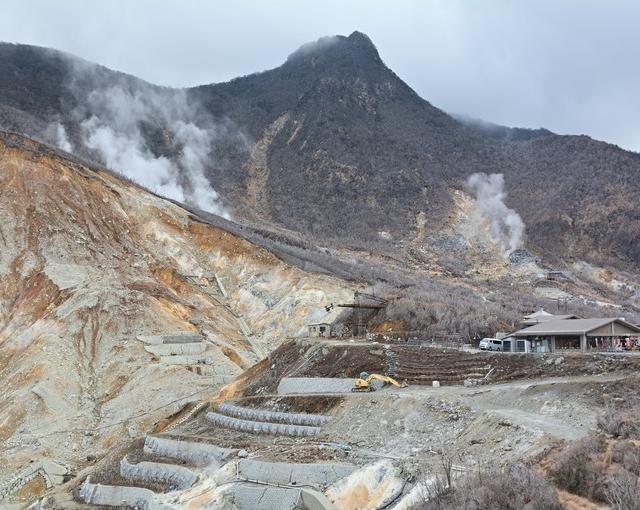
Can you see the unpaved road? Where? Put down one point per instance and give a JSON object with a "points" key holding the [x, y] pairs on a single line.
{"points": [[538, 405]]}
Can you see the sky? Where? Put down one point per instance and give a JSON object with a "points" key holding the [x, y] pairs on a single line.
{"points": [[572, 66]]}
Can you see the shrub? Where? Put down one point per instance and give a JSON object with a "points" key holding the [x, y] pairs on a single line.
{"points": [[578, 469], [623, 492], [518, 488], [624, 424], [627, 454]]}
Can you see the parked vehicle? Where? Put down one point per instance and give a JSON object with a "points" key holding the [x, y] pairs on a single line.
{"points": [[491, 344]]}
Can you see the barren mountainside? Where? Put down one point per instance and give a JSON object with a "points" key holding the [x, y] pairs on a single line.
{"points": [[91, 268], [334, 145]]}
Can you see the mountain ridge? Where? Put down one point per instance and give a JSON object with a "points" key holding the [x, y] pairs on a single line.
{"points": [[312, 145]]}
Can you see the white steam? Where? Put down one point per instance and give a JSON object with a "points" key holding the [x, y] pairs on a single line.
{"points": [[505, 225], [56, 134], [114, 131], [62, 141]]}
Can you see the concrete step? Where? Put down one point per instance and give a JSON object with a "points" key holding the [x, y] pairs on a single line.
{"points": [[246, 413], [218, 375], [261, 427], [174, 349], [171, 338], [176, 477], [206, 358]]}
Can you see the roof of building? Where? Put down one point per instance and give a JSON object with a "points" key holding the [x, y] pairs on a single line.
{"points": [[539, 313], [530, 319], [571, 327]]}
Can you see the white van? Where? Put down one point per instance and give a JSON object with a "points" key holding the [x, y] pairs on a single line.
{"points": [[491, 344]]}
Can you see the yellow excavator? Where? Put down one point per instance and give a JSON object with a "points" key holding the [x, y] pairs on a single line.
{"points": [[363, 383]]}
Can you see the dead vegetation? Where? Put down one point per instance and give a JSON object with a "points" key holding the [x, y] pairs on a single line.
{"points": [[597, 471], [517, 487], [601, 471], [623, 424], [580, 469]]}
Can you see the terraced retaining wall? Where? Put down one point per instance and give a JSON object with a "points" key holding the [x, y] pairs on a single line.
{"points": [[286, 473], [173, 349], [307, 385], [177, 477], [197, 454], [115, 495], [272, 416], [261, 427], [177, 338], [206, 358]]}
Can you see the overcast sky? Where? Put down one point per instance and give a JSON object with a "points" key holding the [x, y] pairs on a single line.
{"points": [[572, 66]]}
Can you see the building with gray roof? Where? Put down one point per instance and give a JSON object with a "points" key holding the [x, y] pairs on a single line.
{"points": [[575, 334]]}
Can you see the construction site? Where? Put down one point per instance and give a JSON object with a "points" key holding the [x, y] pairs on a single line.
{"points": [[340, 421], [339, 417]]}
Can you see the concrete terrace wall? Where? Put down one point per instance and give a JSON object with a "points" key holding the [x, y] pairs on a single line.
{"points": [[251, 497], [272, 416], [294, 385], [207, 358], [174, 338], [285, 473], [197, 454], [177, 477], [261, 427], [113, 495], [173, 349]]}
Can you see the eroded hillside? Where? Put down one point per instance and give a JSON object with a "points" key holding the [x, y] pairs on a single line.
{"points": [[88, 263]]}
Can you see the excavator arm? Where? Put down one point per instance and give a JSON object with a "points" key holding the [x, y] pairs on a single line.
{"points": [[363, 383], [386, 379]]}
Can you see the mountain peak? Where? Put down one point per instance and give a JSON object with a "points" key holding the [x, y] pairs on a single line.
{"points": [[361, 38], [357, 46]]}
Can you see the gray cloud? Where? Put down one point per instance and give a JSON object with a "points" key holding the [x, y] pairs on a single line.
{"points": [[568, 66]]}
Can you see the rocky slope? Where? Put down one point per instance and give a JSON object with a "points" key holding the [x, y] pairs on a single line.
{"points": [[89, 263], [313, 145]]}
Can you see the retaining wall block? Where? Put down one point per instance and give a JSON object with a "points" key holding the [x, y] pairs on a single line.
{"points": [[177, 477], [176, 349], [197, 454], [273, 416], [115, 495], [261, 427], [250, 497], [286, 473]]}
